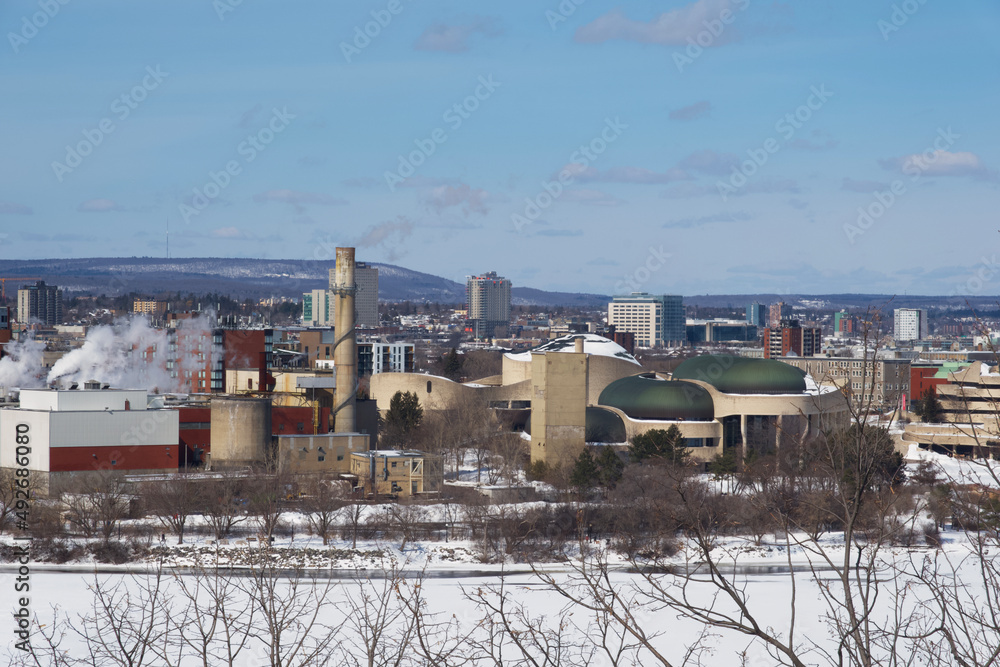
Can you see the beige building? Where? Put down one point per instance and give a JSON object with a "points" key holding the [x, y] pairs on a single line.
{"points": [[325, 452], [149, 307], [558, 405], [883, 382], [398, 472], [720, 402], [970, 403]]}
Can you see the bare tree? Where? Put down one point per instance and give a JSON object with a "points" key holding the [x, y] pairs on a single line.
{"points": [[224, 502], [172, 501], [382, 627], [323, 500], [8, 497]]}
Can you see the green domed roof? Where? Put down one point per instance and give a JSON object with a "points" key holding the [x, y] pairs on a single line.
{"points": [[646, 397], [604, 426], [740, 375]]}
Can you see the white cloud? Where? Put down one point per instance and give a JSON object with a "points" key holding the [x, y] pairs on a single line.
{"points": [[98, 206], [941, 163], [455, 38], [671, 28]]}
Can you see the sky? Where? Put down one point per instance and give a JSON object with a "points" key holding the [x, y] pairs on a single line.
{"points": [[706, 147]]}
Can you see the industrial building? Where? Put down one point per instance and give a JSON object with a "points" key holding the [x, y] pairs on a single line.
{"points": [[395, 472], [94, 428]]}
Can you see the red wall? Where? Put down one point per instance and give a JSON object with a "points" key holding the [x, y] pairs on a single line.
{"points": [[921, 379], [132, 457]]}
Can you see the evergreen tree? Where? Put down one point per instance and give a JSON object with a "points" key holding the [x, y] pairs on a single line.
{"points": [[403, 418], [584, 474], [452, 365], [658, 444], [929, 407], [609, 467]]}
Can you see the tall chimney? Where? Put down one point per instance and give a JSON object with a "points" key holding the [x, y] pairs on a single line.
{"points": [[345, 355]]}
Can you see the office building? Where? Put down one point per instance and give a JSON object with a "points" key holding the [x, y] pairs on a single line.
{"points": [[757, 315], [365, 298], [655, 320], [720, 331], [40, 303], [909, 324], [488, 301], [790, 339], [317, 308]]}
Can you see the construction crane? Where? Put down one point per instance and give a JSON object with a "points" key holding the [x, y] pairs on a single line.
{"points": [[3, 284]]}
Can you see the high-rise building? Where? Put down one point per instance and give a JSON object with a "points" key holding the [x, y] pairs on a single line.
{"points": [[844, 324], [757, 314], [488, 300], [41, 303], [909, 324], [779, 311], [317, 308], [365, 297], [655, 320], [788, 338]]}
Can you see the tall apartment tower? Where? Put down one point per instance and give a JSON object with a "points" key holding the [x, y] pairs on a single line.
{"points": [[909, 324], [655, 320], [779, 311], [40, 302], [365, 296], [790, 339], [317, 308], [488, 300], [757, 315]]}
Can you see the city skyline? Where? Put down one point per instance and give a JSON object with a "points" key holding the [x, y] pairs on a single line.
{"points": [[593, 147]]}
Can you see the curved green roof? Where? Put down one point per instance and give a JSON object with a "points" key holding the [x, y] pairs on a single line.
{"points": [[604, 426], [646, 397], [740, 375]]}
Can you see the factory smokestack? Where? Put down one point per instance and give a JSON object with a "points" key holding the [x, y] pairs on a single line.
{"points": [[345, 355]]}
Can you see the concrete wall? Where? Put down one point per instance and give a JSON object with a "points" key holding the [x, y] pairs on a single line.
{"points": [[301, 453], [558, 407], [241, 431]]}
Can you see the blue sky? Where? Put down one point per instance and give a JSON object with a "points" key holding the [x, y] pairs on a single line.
{"points": [[733, 146]]}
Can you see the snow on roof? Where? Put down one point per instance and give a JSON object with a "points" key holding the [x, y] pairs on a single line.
{"points": [[592, 344]]}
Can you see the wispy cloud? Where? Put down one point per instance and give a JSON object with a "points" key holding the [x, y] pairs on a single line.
{"points": [[767, 186], [10, 208], [692, 112], [469, 199], [851, 185], [454, 38], [701, 221], [814, 146], [672, 28], [941, 163], [590, 197], [709, 162], [639, 175], [390, 236], [99, 206], [299, 200]]}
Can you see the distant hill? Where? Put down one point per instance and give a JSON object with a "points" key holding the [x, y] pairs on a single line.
{"points": [[257, 278], [251, 278]]}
